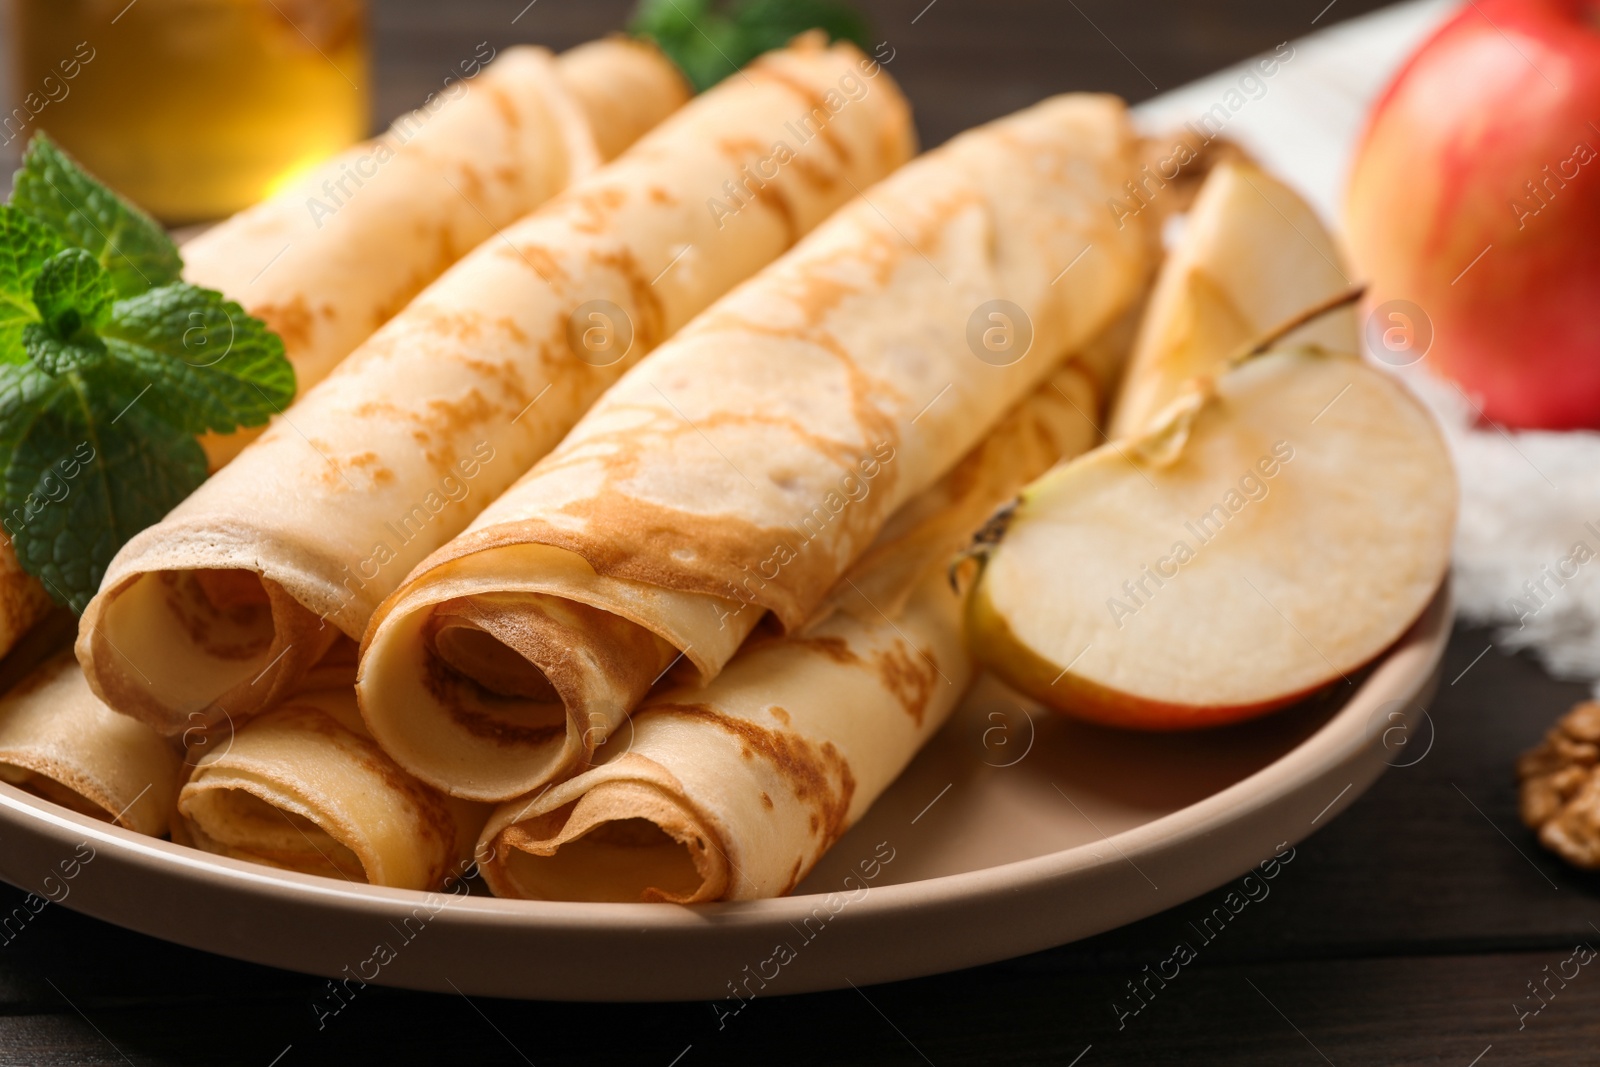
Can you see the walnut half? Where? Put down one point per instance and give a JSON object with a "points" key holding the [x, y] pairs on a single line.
{"points": [[1560, 787]]}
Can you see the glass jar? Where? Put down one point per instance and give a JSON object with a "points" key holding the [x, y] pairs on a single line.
{"points": [[191, 108]]}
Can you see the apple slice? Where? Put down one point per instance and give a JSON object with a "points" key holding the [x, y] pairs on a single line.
{"points": [[1252, 255], [1298, 519]]}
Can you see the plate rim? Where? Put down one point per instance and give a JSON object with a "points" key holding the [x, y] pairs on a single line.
{"points": [[1409, 666]]}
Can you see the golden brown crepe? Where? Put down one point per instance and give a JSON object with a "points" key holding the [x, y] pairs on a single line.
{"points": [[624, 87], [303, 786], [749, 461], [58, 741], [329, 260], [223, 604], [734, 791]]}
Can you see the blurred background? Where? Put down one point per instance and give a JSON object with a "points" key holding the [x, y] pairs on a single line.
{"points": [[195, 108]]}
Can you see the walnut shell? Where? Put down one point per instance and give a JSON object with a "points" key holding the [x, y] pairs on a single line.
{"points": [[1560, 787]]}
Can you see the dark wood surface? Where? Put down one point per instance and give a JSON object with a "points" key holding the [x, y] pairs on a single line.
{"points": [[1406, 931]]}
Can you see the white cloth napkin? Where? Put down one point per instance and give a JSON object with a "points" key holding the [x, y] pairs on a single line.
{"points": [[1527, 556]]}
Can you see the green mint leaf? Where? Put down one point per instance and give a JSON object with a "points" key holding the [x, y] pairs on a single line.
{"points": [[109, 367], [767, 24], [129, 244], [78, 482], [55, 354], [208, 364], [25, 244], [73, 293], [710, 41], [692, 34]]}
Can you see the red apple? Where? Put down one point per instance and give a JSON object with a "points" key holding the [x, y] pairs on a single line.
{"points": [[1476, 197]]}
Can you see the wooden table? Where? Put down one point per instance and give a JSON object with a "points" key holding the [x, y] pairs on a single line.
{"points": [[1407, 931]]}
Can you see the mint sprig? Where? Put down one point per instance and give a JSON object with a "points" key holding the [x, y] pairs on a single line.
{"points": [[124, 240], [24, 246], [109, 368], [81, 478], [709, 41]]}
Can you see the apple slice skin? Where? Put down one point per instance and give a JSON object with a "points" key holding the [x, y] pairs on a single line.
{"points": [[1364, 515], [991, 642]]}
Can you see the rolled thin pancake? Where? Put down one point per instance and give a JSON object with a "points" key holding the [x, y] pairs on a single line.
{"points": [[734, 791], [328, 261], [58, 741], [750, 460], [624, 87], [334, 256], [243, 586], [302, 786]]}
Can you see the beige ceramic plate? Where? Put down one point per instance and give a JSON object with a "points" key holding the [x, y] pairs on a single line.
{"points": [[1014, 831]]}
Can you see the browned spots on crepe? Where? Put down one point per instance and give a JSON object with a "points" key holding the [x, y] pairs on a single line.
{"points": [[623, 536], [471, 184], [451, 418], [648, 316], [441, 423], [745, 152], [540, 629], [540, 259], [817, 113], [292, 320], [370, 464], [446, 252], [619, 449], [589, 210], [821, 179], [336, 469], [834, 647], [766, 801], [505, 377], [507, 325], [657, 428], [781, 714], [465, 325], [829, 646], [742, 150], [185, 598], [774, 201], [909, 675], [504, 104], [658, 195], [438, 428], [929, 229], [815, 294], [461, 698], [817, 774], [647, 542], [378, 409]]}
